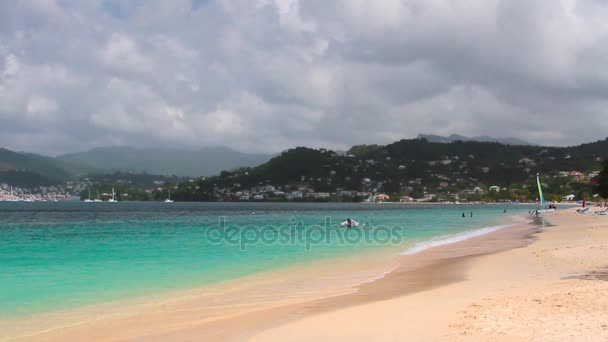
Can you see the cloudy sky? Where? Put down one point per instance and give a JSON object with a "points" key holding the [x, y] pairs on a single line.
{"points": [[265, 75]]}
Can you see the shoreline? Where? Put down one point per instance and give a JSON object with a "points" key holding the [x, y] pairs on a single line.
{"points": [[204, 321], [552, 288]]}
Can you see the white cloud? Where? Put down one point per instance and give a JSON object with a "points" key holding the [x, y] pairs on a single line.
{"points": [[41, 105], [122, 52], [270, 74]]}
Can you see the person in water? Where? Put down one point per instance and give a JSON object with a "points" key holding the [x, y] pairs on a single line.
{"points": [[471, 214], [349, 223], [463, 215]]}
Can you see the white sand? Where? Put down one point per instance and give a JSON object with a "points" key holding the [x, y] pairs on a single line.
{"points": [[555, 289]]}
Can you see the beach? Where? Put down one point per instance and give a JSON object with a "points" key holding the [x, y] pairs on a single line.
{"points": [[552, 289], [527, 281]]}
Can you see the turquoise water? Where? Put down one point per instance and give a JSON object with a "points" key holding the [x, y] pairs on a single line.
{"points": [[62, 255]]}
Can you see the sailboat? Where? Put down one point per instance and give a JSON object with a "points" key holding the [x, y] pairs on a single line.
{"points": [[113, 199], [29, 198], [11, 198], [169, 200], [97, 197], [88, 199], [542, 200]]}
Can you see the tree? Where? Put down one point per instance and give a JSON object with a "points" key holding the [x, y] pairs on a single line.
{"points": [[602, 187]]}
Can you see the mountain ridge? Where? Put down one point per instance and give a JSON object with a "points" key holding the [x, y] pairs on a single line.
{"points": [[164, 161], [484, 138]]}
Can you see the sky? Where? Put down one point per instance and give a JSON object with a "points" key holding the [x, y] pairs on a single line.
{"points": [[266, 75]]}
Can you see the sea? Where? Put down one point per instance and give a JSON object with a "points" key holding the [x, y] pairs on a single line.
{"points": [[64, 255]]}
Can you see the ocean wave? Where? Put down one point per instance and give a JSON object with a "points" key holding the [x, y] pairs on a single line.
{"points": [[451, 238]]}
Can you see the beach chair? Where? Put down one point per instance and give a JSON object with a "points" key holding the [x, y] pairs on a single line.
{"points": [[582, 210], [601, 212]]}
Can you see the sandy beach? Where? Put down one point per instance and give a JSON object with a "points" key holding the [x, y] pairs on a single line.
{"points": [[525, 282], [552, 289]]}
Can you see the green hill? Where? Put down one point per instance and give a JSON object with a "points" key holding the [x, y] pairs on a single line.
{"points": [[407, 166], [28, 169]]}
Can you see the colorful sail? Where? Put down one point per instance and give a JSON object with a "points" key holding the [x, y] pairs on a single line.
{"points": [[540, 190]]}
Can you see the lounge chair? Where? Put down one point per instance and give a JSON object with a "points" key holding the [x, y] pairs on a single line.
{"points": [[582, 210], [601, 212]]}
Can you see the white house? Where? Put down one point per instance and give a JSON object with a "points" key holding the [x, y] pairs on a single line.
{"points": [[406, 199], [495, 188], [568, 198], [295, 194]]}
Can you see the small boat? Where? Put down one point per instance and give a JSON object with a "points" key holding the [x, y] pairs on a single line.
{"points": [[539, 211], [29, 198], [113, 199], [88, 200], [169, 200], [353, 223]]}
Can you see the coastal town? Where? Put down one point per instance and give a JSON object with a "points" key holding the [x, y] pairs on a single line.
{"points": [[390, 175], [53, 193], [445, 191]]}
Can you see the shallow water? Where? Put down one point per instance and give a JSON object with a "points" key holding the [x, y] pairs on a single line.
{"points": [[63, 255]]}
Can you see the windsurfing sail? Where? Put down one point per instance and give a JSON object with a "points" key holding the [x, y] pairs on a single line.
{"points": [[540, 190]]}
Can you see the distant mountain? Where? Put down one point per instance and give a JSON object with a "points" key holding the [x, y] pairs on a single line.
{"points": [[456, 137], [28, 169], [165, 161]]}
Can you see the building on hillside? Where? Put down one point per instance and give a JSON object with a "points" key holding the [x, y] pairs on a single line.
{"points": [[319, 195], [381, 198], [406, 199], [295, 195], [495, 188], [476, 190]]}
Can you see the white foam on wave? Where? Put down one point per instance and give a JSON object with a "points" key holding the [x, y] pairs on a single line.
{"points": [[451, 238], [521, 218]]}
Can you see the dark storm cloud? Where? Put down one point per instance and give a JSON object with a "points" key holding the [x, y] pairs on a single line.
{"points": [[270, 74]]}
